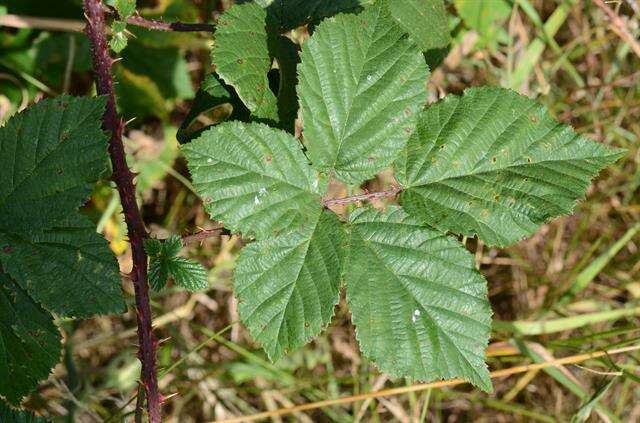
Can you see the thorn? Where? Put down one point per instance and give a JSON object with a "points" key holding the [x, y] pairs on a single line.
{"points": [[116, 60], [164, 398], [129, 121], [162, 341]]}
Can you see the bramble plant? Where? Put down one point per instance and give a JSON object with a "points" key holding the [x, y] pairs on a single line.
{"points": [[490, 163], [344, 104]]}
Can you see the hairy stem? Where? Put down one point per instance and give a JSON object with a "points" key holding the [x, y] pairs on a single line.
{"points": [[123, 178], [362, 197], [158, 25], [169, 26], [56, 24]]}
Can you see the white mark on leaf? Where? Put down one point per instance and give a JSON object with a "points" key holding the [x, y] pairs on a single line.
{"points": [[256, 200]]}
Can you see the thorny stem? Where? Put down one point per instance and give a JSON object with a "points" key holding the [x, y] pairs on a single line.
{"points": [[157, 25], [56, 24], [362, 197], [169, 26], [123, 178]]}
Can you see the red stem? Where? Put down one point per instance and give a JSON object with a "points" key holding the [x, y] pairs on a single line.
{"points": [[169, 26], [363, 197], [123, 178]]}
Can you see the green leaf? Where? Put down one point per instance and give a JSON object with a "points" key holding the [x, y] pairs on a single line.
{"points": [[362, 83], [241, 56], [425, 20], [158, 274], [287, 56], [118, 41], [138, 96], [30, 344], [287, 286], [18, 416], [496, 164], [485, 17], [69, 268], [253, 178], [125, 8], [584, 412], [51, 155], [210, 101], [165, 66], [188, 274], [290, 14], [419, 305], [164, 263]]}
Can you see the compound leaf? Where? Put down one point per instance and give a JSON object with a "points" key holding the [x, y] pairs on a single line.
{"points": [[242, 58], [419, 305], [188, 274], [125, 8], [164, 263], [51, 155], [288, 286], [118, 41], [253, 178], [29, 343], [362, 83], [496, 164], [69, 268], [425, 20]]}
